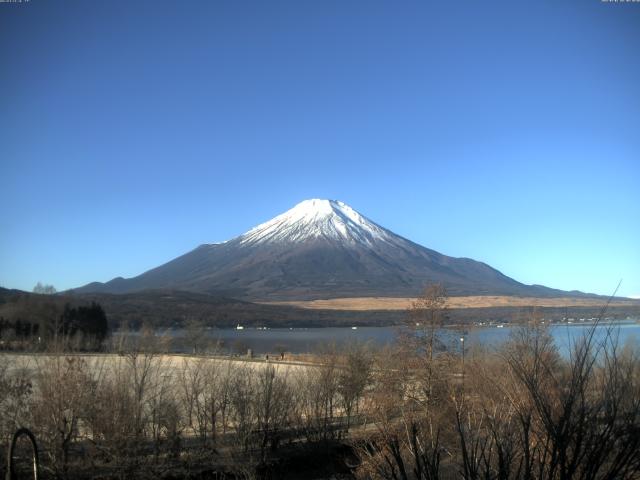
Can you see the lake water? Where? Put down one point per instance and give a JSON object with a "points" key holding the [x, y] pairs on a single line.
{"points": [[305, 340]]}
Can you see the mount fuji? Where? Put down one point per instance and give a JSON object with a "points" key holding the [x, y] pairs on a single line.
{"points": [[320, 249]]}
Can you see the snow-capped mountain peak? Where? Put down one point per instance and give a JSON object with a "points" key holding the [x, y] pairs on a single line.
{"points": [[317, 219], [320, 249]]}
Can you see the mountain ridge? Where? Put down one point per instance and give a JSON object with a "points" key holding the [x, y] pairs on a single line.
{"points": [[321, 249]]}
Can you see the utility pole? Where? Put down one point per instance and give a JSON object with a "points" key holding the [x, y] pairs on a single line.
{"points": [[462, 344]]}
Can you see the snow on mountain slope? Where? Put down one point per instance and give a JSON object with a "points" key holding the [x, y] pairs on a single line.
{"points": [[318, 219], [320, 249]]}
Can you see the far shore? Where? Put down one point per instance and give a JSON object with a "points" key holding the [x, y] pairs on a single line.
{"points": [[489, 301]]}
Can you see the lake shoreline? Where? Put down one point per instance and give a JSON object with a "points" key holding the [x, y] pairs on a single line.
{"points": [[304, 340]]}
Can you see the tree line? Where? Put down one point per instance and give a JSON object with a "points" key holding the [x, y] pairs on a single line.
{"points": [[36, 323]]}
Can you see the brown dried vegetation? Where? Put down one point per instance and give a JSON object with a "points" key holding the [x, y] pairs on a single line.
{"points": [[414, 410]]}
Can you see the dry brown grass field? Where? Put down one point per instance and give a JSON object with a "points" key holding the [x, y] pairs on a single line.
{"points": [[389, 303]]}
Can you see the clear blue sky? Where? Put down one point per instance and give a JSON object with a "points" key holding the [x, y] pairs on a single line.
{"points": [[133, 131]]}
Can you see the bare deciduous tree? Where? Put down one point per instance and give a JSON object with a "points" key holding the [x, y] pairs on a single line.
{"points": [[44, 289], [354, 377]]}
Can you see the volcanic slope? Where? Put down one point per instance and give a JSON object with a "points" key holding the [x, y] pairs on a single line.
{"points": [[321, 249]]}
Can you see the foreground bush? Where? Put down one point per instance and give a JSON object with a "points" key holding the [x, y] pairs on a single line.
{"points": [[520, 413]]}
